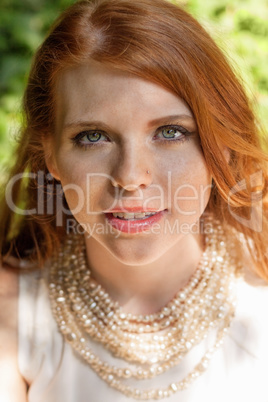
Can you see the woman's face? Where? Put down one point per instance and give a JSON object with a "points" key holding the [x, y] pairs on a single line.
{"points": [[128, 156]]}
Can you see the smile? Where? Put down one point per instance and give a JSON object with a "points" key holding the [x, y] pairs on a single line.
{"points": [[132, 215], [134, 222]]}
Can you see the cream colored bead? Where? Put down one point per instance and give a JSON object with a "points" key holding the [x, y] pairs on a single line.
{"points": [[84, 310]]}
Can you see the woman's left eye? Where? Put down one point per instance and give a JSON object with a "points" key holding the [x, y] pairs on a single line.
{"points": [[172, 133]]}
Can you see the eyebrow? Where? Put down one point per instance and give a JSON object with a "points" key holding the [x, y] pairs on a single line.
{"points": [[80, 124], [173, 118], [181, 118]]}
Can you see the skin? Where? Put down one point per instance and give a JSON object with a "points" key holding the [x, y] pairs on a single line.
{"points": [[12, 386], [143, 271]]}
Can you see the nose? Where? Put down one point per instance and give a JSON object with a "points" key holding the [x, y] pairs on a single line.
{"points": [[132, 169]]}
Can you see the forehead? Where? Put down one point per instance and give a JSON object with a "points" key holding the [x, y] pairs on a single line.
{"points": [[95, 90]]}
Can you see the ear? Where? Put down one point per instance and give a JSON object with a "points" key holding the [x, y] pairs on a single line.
{"points": [[50, 158]]}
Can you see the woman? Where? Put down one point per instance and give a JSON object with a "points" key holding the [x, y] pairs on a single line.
{"points": [[139, 189]]}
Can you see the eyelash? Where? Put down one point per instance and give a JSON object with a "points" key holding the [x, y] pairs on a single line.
{"points": [[182, 130], [77, 139], [186, 136]]}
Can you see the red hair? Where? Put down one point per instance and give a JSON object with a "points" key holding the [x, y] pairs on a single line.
{"points": [[162, 43]]}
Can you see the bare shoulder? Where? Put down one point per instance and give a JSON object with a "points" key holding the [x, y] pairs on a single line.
{"points": [[12, 385]]}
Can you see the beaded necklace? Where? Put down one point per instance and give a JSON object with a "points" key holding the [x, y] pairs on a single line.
{"points": [[151, 344]]}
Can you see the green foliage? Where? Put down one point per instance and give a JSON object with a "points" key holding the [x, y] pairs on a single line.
{"points": [[239, 26], [22, 28]]}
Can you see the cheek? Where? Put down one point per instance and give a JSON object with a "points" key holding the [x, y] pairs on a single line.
{"points": [[191, 186], [73, 180], [85, 191]]}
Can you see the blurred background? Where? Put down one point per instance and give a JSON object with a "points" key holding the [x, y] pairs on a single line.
{"points": [[240, 27]]}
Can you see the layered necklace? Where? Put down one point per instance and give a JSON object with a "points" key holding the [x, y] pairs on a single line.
{"points": [[149, 344]]}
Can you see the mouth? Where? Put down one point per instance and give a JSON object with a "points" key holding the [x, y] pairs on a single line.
{"points": [[134, 222], [133, 215]]}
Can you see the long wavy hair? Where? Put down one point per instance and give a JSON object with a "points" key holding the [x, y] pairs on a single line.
{"points": [[160, 42]]}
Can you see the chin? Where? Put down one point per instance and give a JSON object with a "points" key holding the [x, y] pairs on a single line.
{"points": [[133, 252]]}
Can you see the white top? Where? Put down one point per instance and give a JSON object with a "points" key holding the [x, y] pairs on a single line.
{"points": [[237, 372]]}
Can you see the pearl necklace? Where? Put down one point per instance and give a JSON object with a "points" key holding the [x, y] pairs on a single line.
{"points": [[153, 343]]}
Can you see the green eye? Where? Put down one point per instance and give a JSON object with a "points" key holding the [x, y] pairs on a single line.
{"points": [[93, 136], [171, 133], [89, 138]]}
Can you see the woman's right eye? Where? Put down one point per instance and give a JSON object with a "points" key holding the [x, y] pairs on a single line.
{"points": [[89, 138]]}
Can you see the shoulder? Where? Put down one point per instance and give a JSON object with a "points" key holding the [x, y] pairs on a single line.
{"points": [[250, 326], [12, 386], [11, 272], [252, 299], [8, 307]]}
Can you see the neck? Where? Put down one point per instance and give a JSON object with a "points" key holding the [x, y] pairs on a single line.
{"points": [[145, 289]]}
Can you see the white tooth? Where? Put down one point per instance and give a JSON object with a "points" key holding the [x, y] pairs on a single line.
{"points": [[118, 215], [140, 215], [132, 215], [129, 216]]}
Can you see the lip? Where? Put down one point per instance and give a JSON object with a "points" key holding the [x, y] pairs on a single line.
{"points": [[131, 209], [135, 225]]}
